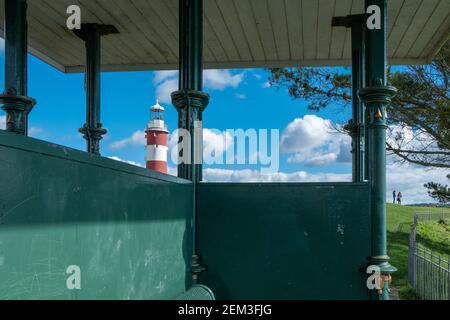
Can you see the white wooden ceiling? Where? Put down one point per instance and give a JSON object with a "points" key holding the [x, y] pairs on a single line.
{"points": [[237, 33]]}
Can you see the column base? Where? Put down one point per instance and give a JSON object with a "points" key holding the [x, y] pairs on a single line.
{"points": [[93, 137], [197, 267], [383, 263], [386, 271], [17, 109]]}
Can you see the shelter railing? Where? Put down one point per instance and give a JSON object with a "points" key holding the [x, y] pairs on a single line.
{"points": [[428, 272]]}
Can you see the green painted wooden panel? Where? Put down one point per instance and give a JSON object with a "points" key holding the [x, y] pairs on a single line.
{"points": [[125, 227], [284, 241]]}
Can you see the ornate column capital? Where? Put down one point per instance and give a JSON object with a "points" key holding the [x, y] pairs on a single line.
{"points": [[376, 98], [190, 98], [377, 94], [352, 128]]}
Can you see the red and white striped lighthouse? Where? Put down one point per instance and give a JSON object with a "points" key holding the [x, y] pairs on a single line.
{"points": [[157, 134]]}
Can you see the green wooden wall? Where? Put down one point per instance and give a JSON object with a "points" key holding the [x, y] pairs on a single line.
{"points": [[128, 230], [285, 241], [125, 227]]}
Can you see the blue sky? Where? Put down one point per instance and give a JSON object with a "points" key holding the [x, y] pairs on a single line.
{"points": [[239, 99]]}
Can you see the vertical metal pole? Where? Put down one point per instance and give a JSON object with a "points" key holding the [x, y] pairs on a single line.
{"points": [[189, 100], [92, 129], [91, 34], [376, 96], [16, 103], [448, 279], [190, 103], [358, 119], [356, 126]]}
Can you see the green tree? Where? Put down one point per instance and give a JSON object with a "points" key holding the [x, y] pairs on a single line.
{"points": [[438, 191], [419, 116]]}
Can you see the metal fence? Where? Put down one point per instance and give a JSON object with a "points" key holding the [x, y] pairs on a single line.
{"points": [[428, 272], [419, 217]]}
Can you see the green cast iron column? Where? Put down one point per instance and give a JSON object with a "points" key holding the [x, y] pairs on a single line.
{"points": [[356, 125], [376, 95], [15, 101], [189, 100], [358, 75], [190, 103], [92, 130]]}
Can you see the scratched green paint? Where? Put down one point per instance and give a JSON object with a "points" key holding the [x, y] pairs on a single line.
{"points": [[125, 227], [285, 241]]}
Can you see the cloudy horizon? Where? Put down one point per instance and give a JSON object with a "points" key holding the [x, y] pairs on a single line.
{"points": [[310, 149]]}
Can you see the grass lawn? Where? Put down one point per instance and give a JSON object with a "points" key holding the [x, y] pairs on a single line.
{"points": [[431, 234], [435, 235]]}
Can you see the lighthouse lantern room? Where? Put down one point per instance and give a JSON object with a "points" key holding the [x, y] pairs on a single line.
{"points": [[156, 134]]}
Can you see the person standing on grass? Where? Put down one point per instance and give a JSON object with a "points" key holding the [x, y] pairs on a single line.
{"points": [[399, 197], [393, 197]]}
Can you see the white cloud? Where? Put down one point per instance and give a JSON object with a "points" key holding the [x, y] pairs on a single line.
{"points": [[405, 178], [409, 179], [309, 140], [257, 76], [305, 133], [240, 96], [173, 171], [213, 140], [127, 161], [221, 79], [215, 143], [37, 132], [404, 137], [161, 76], [312, 140], [247, 175], [166, 82], [136, 139], [165, 89], [34, 132]]}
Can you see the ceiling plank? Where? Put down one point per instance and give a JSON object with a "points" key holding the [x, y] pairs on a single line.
{"points": [[247, 19], [420, 19], [402, 23], [338, 34], [114, 44], [220, 30], [295, 28], [235, 28], [42, 19], [237, 33], [325, 16], [122, 11], [310, 27], [277, 13], [438, 25], [264, 26]]}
